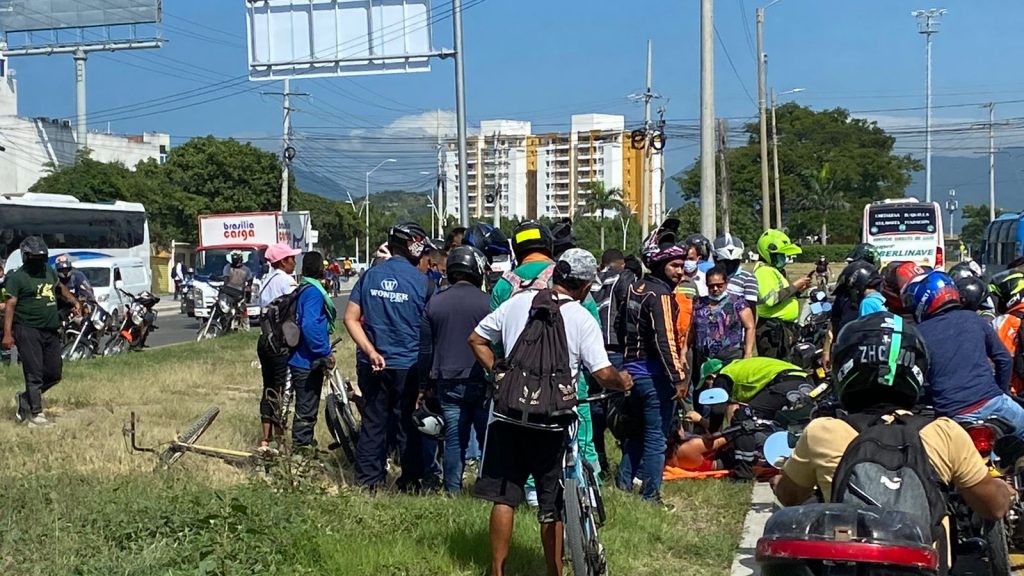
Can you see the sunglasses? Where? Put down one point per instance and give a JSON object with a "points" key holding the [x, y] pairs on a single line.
{"points": [[717, 285]]}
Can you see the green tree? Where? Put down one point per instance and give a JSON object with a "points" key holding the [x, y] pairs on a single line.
{"points": [[229, 175], [862, 166], [822, 197], [975, 221], [599, 201]]}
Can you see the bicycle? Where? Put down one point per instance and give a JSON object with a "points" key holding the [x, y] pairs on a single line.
{"points": [[338, 413], [583, 509], [186, 442]]}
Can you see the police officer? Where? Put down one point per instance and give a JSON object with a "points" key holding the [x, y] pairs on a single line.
{"points": [[777, 306]]}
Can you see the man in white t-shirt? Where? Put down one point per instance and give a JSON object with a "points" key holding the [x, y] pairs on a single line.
{"points": [[513, 452], [274, 366]]}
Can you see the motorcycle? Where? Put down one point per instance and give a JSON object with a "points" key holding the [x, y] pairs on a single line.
{"points": [[138, 320], [992, 540], [188, 302], [227, 314], [85, 333]]}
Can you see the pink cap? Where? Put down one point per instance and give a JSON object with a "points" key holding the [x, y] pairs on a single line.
{"points": [[280, 251]]}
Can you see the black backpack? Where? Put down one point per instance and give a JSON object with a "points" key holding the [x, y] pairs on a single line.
{"points": [[534, 383], [886, 465], [278, 323]]}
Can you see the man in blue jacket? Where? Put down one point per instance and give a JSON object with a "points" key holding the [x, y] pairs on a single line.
{"points": [[316, 315], [384, 316]]}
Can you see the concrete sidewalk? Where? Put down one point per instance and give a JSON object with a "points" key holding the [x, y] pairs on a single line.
{"points": [[762, 504]]}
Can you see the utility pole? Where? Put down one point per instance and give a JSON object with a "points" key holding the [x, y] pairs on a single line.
{"points": [[645, 194], [723, 143], [460, 112], [439, 185], [991, 161], [707, 118], [928, 24], [761, 81], [287, 151], [81, 124], [775, 164]]}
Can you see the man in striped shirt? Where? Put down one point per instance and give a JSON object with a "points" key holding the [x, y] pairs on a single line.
{"points": [[728, 251]]}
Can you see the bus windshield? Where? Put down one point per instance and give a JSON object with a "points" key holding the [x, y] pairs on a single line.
{"points": [[898, 220]]}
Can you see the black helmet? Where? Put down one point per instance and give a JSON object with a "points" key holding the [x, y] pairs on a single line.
{"points": [[531, 236], [236, 258], [965, 270], [973, 292], [487, 239], [1008, 288], [699, 242], [33, 248], [561, 232], [413, 236], [859, 276], [866, 252], [879, 356], [467, 260]]}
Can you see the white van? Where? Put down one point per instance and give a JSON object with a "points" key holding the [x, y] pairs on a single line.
{"points": [[103, 272]]}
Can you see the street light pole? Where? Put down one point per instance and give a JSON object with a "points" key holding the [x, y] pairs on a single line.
{"points": [[928, 24], [775, 157], [707, 120], [366, 205]]}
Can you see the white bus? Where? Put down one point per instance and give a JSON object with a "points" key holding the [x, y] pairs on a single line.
{"points": [[83, 230], [905, 229]]}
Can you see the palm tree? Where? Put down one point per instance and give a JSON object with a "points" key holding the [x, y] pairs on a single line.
{"points": [[822, 197], [599, 200]]}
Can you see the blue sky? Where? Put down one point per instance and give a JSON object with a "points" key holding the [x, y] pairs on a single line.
{"points": [[543, 60]]}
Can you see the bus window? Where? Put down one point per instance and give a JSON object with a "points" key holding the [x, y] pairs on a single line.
{"points": [[1010, 245]]}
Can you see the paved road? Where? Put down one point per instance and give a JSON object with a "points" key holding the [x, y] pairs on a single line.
{"points": [[176, 328]]}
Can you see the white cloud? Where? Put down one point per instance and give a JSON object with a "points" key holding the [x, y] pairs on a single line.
{"points": [[433, 124]]}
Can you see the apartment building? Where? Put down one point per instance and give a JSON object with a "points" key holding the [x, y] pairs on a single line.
{"points": [[548, 175]]}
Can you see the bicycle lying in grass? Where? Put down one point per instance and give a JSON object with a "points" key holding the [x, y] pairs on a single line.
{"points": [[186, 440]]}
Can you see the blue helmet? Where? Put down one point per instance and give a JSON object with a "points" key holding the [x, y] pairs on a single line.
{"points": [[930, 294], [487, 239]]}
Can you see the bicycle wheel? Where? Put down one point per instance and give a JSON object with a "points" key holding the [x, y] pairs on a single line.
{"points": [[594, 492], [573, 522], [334, 416], [190, 435]]}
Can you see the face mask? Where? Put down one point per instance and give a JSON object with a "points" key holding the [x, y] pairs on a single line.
{"points": [[690, 267], [718, 297], [778, 261]]}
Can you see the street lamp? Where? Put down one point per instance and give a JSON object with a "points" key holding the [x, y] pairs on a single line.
{"points": [[952, 205], [366, 204], [433, 209], [775, 156]]}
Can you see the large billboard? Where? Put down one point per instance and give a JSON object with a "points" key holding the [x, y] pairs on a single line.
{"points": [[315, 38], [30, 15]]}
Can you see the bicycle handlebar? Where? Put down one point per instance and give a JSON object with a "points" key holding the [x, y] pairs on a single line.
{"points": [[600, 396]]}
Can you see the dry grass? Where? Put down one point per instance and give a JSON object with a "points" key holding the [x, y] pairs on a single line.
{"points": [[167, 388]]}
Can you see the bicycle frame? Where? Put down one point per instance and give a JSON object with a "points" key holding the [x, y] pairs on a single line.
{"points": [[129, 432]]}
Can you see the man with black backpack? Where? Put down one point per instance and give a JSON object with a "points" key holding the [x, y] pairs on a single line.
{"points": [[273, 355], [881, 453], [549, 332]]}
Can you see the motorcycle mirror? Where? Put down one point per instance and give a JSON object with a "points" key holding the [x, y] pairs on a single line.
{"points": [[713, 396], [119, 284], [777, 449]]}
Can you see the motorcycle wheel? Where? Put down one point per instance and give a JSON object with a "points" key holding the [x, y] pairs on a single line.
{"points": [[115, 346], [72, 353], [210, 330], [998, 548]]}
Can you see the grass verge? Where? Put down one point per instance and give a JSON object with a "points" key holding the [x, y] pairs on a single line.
{"points": [[76, 502]]}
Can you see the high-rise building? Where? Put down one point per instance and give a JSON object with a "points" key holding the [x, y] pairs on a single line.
{"points": [[549, 175]]}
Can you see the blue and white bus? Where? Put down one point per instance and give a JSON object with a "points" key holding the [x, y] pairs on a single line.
{"points": [[1002, 243], [82, 230]]}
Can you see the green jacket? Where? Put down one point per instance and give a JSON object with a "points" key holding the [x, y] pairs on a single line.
{"points": [[751, 375], [775, 297]]}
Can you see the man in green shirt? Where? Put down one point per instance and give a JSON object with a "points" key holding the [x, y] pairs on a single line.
{"points": [[31, 322], [777, 306], [758, 387]]}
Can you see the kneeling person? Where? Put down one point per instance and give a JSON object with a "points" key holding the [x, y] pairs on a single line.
{"points": [[513, 451]]}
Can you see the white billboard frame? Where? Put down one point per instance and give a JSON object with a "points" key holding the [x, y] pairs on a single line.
{"points": [[327, 38]]}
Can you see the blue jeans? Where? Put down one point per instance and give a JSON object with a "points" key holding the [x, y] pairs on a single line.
{"points": [[644, 457], [464, 408], [1002, 406]]}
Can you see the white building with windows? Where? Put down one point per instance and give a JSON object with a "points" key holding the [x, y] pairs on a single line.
{"points": [[32, 146], [548, 175]]}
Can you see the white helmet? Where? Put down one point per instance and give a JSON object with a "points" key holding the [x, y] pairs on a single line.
{"points": [[428, 423], [728, 247]]}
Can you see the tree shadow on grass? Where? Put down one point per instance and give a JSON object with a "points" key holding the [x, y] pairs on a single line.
{"points": [[470, 548]]}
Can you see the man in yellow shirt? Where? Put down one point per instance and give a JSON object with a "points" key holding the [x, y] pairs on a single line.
{"points": [[777, 306], [880, 374]]}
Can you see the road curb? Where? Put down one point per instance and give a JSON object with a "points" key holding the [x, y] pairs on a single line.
{"points": [[762, 504]]}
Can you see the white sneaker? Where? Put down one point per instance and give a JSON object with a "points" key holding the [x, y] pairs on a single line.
{"points": [[38, 421], [531, 497]]}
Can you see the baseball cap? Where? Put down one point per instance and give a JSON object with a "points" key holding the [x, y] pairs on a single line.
{"points": [[712, 366], [582, 264], [280, 251]]}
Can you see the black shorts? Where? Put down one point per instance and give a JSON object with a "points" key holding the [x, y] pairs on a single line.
{"points": [[511, 454]]}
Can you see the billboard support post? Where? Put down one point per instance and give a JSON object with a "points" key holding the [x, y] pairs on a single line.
{"points": [[81, 126]]}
